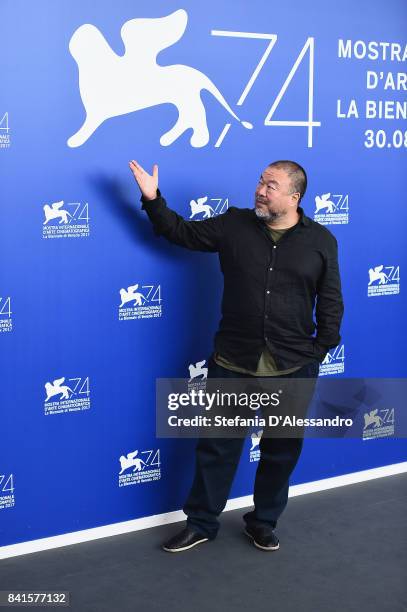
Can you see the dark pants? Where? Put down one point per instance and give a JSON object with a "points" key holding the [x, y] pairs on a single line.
{"points": [[216, 461]]}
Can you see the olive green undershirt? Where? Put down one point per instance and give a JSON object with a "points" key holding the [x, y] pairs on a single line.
{"points": [[266, 365]]}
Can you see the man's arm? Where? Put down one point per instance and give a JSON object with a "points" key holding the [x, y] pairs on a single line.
{"points": [[195, 235], [329, 308]]}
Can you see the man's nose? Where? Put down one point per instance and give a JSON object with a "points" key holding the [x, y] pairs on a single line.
{"points": [[261, 190]]}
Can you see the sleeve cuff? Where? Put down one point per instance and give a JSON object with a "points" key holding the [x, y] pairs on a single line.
{"points": [[145, 201]]}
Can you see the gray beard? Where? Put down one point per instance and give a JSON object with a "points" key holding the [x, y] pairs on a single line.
{"points": [[268, 216]]}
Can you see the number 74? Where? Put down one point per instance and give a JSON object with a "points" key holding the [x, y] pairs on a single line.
{"points": [[308, 46]]}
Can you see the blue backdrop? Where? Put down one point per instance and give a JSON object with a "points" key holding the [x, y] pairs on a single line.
{"points": [[320, 83]]}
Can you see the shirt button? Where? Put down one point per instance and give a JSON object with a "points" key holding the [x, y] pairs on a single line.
{"points": [[274, 247], [267, 291], [270, 269]]}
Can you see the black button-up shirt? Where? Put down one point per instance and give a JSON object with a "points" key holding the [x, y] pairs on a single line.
{"points": [[270, 289]]}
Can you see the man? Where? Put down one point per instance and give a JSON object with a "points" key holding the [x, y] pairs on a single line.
{"points": [[277, 263]]}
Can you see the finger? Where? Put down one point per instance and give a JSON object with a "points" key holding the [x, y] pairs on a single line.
{"points": [[137, 173], [140, 168], [133, 166], [155, 172]]}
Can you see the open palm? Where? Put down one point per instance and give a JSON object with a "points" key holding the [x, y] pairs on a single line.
{"points": [[148, 183]]}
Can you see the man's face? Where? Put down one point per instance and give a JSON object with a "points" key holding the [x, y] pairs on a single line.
{"points": [[274, 197]]}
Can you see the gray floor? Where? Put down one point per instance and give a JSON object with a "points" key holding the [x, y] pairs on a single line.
{"points": [[341, 550]]}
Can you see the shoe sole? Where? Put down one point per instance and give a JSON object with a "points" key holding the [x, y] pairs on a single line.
{"points": [[175, 550], [259, 545]]}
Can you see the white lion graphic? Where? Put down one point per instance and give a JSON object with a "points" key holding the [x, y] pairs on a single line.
{"points": [[377, 274], [57, 388], [56, 211], [255, 438], [111, 85], [324, 202], [199, 206], [131, 294], [197, 369]]}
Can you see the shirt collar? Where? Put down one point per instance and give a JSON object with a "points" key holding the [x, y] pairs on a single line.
{"points": [[304, 220]]}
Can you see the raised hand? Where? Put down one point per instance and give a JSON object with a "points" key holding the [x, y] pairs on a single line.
{"points": [[148, 183]]}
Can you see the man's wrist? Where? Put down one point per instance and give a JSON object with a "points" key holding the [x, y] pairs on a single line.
{"points": [[147, 199]]}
